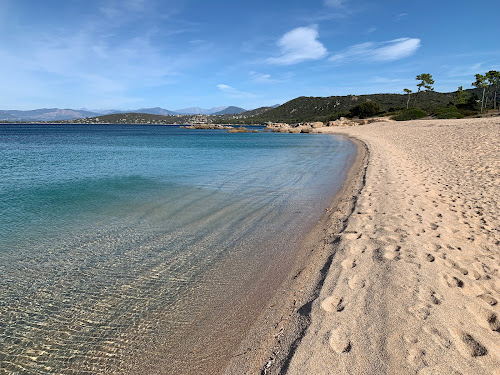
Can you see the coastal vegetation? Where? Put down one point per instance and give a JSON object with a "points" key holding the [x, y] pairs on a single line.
{"points": [[426, 82], [366, 109], [413, 104], [410, 114]]}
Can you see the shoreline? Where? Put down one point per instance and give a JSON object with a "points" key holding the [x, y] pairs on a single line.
{"points": [[409, 279], [415, 288], [268, 346]]}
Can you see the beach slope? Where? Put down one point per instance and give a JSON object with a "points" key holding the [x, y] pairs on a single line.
{"points": [[414, 285]]}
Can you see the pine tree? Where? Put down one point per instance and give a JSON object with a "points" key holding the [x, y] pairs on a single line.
{"points": [[493, 80], [425, 81], [408, 91], [461, 95], [481, 82]]}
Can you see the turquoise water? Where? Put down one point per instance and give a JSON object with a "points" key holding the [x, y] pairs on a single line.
{"points": [[133, 248]]}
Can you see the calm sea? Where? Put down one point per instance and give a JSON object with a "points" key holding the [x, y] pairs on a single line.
{"points": [[148, 249]]}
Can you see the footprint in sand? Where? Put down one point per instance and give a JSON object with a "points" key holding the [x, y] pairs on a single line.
{"points": [[428, 295], [450, 280], [453, 264], [416, 356], [430, 257], [357, 249], [356, 282], [348, 263], [467, 345], [420, 311], [438, 337], [339, 341], [392, 252], [488, 299], [352, 236], [333, 304], [485, 317]]}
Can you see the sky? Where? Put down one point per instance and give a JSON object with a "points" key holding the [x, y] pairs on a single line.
{"points": [[126, 54]]}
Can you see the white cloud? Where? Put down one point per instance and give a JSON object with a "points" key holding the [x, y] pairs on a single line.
{"points": [[462, 71], [234, 92], [384, 51], [259, 77], [299, 45]]}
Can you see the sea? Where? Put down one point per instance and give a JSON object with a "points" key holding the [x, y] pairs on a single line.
{"points": [[135, 249]]}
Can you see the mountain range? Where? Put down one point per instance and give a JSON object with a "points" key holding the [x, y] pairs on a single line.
{"points": [[57, 114]]}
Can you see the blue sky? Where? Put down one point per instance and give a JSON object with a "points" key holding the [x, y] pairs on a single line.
{"points": [[126, 54]]}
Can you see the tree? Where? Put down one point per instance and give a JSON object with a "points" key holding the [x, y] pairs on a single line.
{"points": [[425, 81], [481, 83], [366, 109], [461, 95], [408, 91], [493, 80]]}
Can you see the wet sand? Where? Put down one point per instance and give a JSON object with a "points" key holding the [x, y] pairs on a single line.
{"points": [[407, 277]]}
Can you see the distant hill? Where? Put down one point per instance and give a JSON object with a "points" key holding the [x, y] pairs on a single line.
{"points": [[45, 114], [200, 111], [230, 111], [297, 110], [154, 111], [129, 118], [257, 111], [322, 108], [56, 114]]}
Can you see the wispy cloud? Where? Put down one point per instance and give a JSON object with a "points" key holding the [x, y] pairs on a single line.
{"points": [[378, 52], [102, 58], [299, 45], [462, 71], [235, 93], [260, 77], [400, 16], [334, 3], [335, 9]]}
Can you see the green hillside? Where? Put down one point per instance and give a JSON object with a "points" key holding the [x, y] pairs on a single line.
{"points": [[301, 109], [323, 108]]}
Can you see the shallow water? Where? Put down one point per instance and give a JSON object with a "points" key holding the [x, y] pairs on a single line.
{"points": [[129, 249]]}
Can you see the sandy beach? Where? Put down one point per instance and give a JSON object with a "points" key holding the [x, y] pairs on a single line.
{"points": [[412, 282]]}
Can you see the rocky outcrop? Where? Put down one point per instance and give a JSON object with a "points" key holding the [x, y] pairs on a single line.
{"points": [[240, 129], [207, 126]]}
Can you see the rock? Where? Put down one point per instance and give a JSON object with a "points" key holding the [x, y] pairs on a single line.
{"points": [[241, 129]]}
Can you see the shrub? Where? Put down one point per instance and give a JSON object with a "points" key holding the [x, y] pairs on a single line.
{"points": [[448, 112], [337, 115], [365, 109], [387, 114], [410, 114], [472, 104], [468, 113]]}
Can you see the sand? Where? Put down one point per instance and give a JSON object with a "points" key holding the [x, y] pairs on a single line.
{"points": [[412, 285]]}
